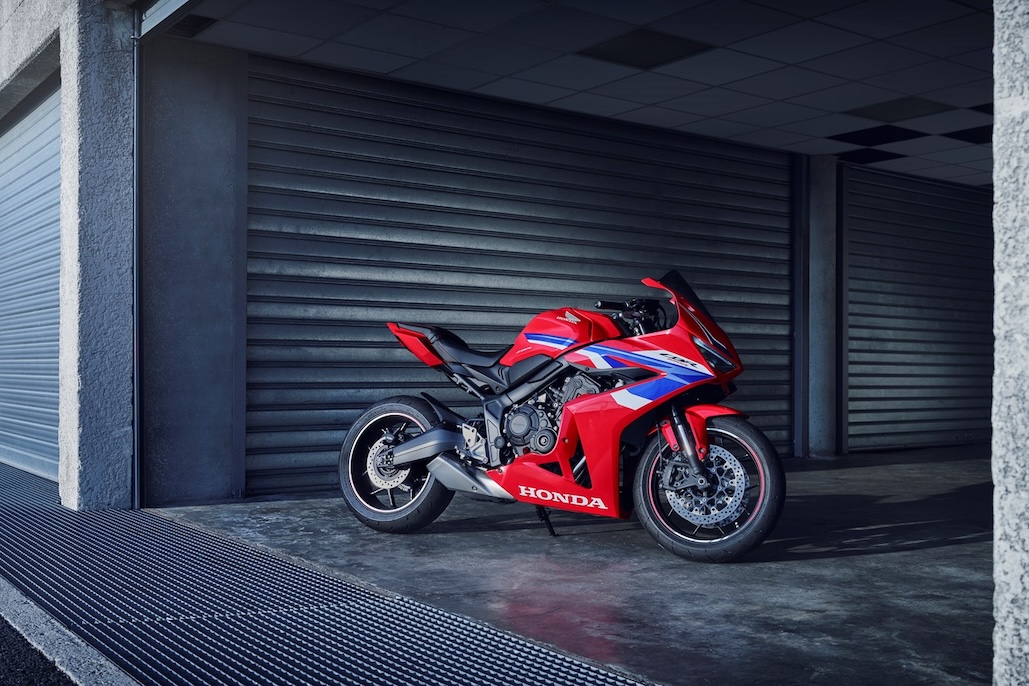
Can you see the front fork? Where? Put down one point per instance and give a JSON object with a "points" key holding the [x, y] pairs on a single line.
{"points": [[687, 450]]}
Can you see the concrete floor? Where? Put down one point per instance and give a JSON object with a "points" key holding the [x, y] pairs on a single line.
{"points": [[880, 572]]}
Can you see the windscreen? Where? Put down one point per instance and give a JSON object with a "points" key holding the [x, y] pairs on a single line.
{"points": [[677, 282]]}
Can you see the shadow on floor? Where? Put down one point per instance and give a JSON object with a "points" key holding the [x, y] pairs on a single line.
{"points": [[825, 526]]}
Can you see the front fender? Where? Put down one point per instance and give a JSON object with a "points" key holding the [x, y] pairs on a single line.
{"points": [[697, 416]]}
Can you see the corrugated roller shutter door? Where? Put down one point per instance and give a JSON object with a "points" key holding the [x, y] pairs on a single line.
{"points": [[373, 201], [30, 259], [919, 311]]}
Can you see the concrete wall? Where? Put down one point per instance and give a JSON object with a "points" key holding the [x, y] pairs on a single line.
{"points": [[193, 272], [91, 42], [1011, 328], [96, 349]]}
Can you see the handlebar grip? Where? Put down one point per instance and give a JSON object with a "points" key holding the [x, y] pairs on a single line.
{"points": [[609, 305]]}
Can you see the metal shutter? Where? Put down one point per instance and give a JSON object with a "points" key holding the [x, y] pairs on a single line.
{"points": [[919, 284], [30, 261], [372, 200]]}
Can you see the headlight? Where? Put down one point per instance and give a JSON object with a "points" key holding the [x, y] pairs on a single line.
{"points": [[720, 363]]}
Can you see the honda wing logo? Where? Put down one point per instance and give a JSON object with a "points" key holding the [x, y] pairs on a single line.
{"points": [[570, 318], [565, 498]]}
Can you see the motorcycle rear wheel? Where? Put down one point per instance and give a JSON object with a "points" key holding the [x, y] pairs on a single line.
{"points": [[383, 497], [728, 520]]}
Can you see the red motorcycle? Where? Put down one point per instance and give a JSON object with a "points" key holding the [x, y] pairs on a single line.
{"points": [[588, 412]]}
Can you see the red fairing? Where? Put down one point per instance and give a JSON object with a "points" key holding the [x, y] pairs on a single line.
{"points": [[554, 332], [417, 343]]}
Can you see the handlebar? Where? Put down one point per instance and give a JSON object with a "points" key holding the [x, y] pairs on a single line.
{"points": [[641, 315]]}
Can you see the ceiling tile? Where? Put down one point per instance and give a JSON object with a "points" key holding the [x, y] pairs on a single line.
{"points": [[644, 49], [927, 77], [945, 122], [845, 97], [636, 12], [576, 72], [494, 55], [968, 94], [977, 59], [980, 165], [962, 155], [807, 8], [785, 83], [374, 4], [590, 103], [799, 42], [884, 18], [443, 75], [320, 18], [946, 171], [258, 39], [658, 116], [867, 156], [829, 125], [403, 36], [772, 138], [472, 15], [923, 145], [716, 67], [724, 22], [715, 102], [954, 37], [353, 57], [774, 114], [649, 88], [905, 164], [820, 146], [561, 28], [717, 128], [525, 91], [878, 135], [217, 9], [981, 179], [980, 135], [900, 109], [870, 59]]}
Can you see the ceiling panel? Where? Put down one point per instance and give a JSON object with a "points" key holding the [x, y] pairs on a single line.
{"points": [[807, 76]]}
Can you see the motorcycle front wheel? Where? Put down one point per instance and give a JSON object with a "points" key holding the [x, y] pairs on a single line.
{"points": [[730, 517], [384, 497]]}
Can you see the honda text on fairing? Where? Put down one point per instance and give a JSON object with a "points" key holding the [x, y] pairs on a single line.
{"points": [[587, 412]]}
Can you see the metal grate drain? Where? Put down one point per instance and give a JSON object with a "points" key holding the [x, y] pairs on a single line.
{"points": [[172, 605]]}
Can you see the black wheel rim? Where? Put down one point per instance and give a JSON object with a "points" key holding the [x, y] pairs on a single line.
{"points": [[701, 517], [376, 483]]}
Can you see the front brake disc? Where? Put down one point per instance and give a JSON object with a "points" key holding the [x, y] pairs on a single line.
{"points": [[722, 504]]}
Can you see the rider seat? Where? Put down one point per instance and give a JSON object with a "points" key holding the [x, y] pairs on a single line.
{"points": [[452, 348]]}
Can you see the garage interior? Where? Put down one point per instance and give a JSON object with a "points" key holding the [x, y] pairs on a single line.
{"points": [[822, 170]]}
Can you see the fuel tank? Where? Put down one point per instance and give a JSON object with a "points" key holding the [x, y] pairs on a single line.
{"points": [[553, 332]]}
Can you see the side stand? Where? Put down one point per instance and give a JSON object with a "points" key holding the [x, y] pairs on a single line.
{"points": [[544, 515]]}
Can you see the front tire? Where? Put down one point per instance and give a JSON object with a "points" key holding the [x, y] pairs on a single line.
{"points": [[387, 498], [729, 519]]}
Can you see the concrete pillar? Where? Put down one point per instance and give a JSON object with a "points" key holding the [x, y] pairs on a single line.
{"points": [[1011, 328], [96, 349], [193, 242], [821, 308]]}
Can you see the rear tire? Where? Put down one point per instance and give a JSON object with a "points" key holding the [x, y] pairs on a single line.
{"points": [[386, 498], [730, 519]]}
